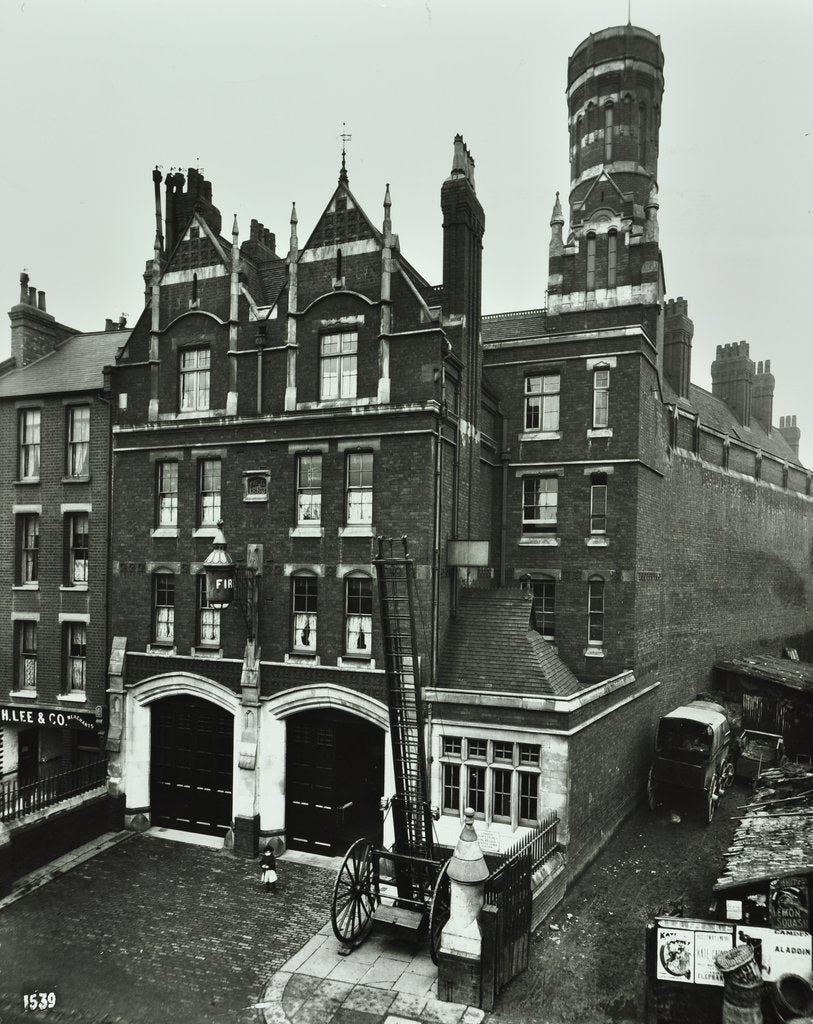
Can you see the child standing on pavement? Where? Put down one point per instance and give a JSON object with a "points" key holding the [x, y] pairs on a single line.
{"points": [[268, 866]]}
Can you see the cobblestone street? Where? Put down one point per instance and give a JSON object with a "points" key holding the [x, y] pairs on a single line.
{"points": [[587, 958], [152, 931]]}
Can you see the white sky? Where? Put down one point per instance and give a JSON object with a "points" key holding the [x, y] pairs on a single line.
{"points": [[93, 94]]}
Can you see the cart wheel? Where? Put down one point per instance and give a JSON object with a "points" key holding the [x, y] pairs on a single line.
{"points": [[439, 910], [355, 894], [727, 778], [652, 789], [713, 797]]}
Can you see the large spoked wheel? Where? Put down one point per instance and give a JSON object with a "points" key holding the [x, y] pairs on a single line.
{"points": [[652, 789], [727, 777], [712, 798], [355, 894], [439, 910]]}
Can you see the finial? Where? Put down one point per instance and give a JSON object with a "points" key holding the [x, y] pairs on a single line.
{"points": [[345, 137], [157, 243], [293, 243], [387, 200], [557, 216], [234, 229], [294, 219], [460, 163]]}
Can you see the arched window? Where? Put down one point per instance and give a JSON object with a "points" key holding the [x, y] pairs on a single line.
{"points": [[612, 246], [304, 613], [591, 263], [642, 133], [595, 611], [358, 618], [194, 289], [577, 156], [608, 133]]}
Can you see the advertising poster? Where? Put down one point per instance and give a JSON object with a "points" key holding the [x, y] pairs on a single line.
{"points": [[788, 904], [675, 955], [778, 952], [706, 947]]}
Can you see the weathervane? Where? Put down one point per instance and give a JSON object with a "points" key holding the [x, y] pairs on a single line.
{"points": [[345, 137]]}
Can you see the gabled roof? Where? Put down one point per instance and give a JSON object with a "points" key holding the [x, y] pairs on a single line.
{"points": [[715, 413], [357, 226], [491, 645], [75, 365]]}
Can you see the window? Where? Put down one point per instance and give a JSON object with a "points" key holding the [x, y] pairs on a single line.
{"points": [[304, 614], [78, 553], [30, 444], [77, 656], [208, 617], [612, 256], [577, 156], [209, 506], [195, 373], [501, 794], [339, 365], [359, 487], [504, 752], [451, 788], [601, 397], [452, 746], [167, 493], [29, 527], [359, 616], [529, 754], [595, 611], [476, 794], [27, 654], [477, 749], [608, 133], [591, 263], [528, 798], [309, 490], [598, 503], [163, 608], [545, 606], [642, 132], [539, 504], [78, 440], [542, 402]]}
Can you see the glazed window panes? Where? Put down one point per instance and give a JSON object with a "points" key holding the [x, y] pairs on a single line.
{"points": [[595, 612], [528, 798], [451, 788], [339, 355], [540, 496], [195, 379], [545, 607], [359, 618], [452, 746], [28, 655], [209, 492], [501, 794], [304, 614], [477, 749], [477, 789], [78, 440], [78, 528], [208, 617], [612, 257], [598, 504], [601, 398], [77, 656], [167, 493], [608, 133], [591, 262], [309, 490], [529, 754], [164, 603], [542, 402], [504, 752], [359, 488], [30, 444], [29, 548]]}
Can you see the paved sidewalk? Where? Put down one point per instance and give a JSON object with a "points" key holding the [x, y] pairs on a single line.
{"points": [[383, 981]]}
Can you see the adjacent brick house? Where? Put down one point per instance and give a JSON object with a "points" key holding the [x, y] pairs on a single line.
{"points": [[54, 487]]}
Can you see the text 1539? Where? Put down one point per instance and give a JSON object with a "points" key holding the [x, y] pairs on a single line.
{"points": [[39, 1000]]}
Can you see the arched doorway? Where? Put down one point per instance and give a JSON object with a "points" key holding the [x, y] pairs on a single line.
{"points": [[191, 766], [334, 781]]}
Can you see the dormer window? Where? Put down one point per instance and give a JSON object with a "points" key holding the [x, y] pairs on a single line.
{"points": [[608, 133]]}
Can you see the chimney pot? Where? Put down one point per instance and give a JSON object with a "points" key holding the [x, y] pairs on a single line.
{"points": [[41, 301], [32, 296], [108, 324], [767, 366]]}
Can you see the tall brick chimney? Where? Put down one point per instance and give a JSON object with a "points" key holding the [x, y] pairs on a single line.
{"points": [[678, 331], [34, 332], [180, 205], [790, 432], [732, 374], [762, 395]]}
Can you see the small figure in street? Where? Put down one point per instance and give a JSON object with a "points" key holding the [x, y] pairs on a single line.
{"points": [[268, 866]]}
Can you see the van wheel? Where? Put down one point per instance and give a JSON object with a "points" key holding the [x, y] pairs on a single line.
{"points": [[727, 778], [713, 797], [652, 789]]}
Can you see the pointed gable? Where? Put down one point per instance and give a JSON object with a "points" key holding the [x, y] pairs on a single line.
{"points": [[343, 221]]}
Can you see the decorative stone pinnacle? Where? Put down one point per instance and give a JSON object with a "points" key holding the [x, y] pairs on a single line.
{"points": [[557, 217]]}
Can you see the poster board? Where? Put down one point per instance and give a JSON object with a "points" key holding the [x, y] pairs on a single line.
{"points": [[685, 951]]}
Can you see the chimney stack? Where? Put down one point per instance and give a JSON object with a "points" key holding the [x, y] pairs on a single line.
{"points": [[678, 331], [732, 375], [790, 432], [34, 332]]}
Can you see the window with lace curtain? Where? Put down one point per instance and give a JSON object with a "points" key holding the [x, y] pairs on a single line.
{"points": [[76, 643], [78, 434], [304, 614], [358, 617], [163, 608], [208, 617]]}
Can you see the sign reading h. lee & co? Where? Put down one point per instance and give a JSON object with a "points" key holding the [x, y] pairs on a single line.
{"points": [[11, 715]]}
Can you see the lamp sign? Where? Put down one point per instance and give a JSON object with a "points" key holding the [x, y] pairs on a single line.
{"points": [[220, 586]]}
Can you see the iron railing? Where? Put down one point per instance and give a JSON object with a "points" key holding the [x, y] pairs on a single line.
{"points": [[16, 801], [539, 846]]}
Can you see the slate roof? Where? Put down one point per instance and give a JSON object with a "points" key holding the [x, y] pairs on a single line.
{"points": [[794, 675], [716, 414], [527, 323], [75, 365], [491, 645]]}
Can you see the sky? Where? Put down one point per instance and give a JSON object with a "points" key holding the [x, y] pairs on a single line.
{"points": [[94, 94]]}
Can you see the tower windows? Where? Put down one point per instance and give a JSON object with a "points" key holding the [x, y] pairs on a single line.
{"points": [[612, 255], [608, 133], [642, 133], [591, 263], [601, 398], [595, 611], [577, 156]]}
